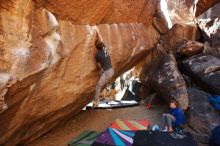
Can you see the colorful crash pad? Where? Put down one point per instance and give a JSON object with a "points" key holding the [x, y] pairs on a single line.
{"points": [[130, 124], [86, 138], [113, 137]]}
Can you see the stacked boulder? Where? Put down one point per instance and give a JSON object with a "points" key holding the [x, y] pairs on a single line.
{"points": [[186, 66]]}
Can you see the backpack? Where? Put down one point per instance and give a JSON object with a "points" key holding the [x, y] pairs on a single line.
{"points": [[215, 100], [215, 137]]}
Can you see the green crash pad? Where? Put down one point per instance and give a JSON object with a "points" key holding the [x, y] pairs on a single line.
{"points": [[86, 138]]}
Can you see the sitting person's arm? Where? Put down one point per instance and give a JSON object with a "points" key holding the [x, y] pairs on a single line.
{"points": [[180, 117]]}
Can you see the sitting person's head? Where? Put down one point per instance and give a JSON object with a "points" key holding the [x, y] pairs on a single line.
{"points": [[174, 103]]}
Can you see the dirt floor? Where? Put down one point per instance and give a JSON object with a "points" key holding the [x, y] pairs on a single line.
{"points": [[98, 120]]}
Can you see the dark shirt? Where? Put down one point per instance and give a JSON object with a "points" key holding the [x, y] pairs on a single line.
{"points": [[102, 56], [179, 115]]}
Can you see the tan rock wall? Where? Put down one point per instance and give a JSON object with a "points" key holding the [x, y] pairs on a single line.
{"points": [[178, 34], [48, 71], [101, 11], [179, 12], [183, 11]]}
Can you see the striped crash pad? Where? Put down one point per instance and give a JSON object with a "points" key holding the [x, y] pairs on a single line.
{"points": [[84, 139], [113, 137], [130, 124]]}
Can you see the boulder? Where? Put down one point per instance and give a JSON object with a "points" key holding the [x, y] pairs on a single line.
{"points": [[209, 22], [178, 34], [204, 69], [47, 67], [200, 6], [101, 11], [190, 48], [179, 11], [201, 117], [159, 20], [163, 77], [185, 11], [211, 50]]}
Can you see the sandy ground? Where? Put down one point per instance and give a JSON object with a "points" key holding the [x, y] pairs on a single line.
{"points": [[97, 120]]}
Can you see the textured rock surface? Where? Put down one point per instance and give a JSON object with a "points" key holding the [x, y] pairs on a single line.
{"points": [[159, 20], [185, 11], [202, 117], [101, 11], [205, 70], [211, 50], [179, 11], [47, 66], [202, 5], [209, 22], [178, 34], [162, 75], [190, 48]]}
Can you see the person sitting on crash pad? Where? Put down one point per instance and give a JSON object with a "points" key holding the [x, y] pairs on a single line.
{"points": [[103, 58], [175, 118]]}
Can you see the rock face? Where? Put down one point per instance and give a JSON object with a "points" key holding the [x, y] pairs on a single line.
{"points": [[163, 77], [47, 66], [178, 34], [179, 11], [185, 11], [205, 12], [205, 70], [190, 48], [159, 20], [202, 117], [101, 11], [202, 5], [211, 50], [209, 22]]}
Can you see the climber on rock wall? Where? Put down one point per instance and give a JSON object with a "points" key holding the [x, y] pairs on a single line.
{"points": [[103, 59]]}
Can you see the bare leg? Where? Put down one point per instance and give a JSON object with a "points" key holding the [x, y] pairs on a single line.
{"points": [[168, 121]]}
